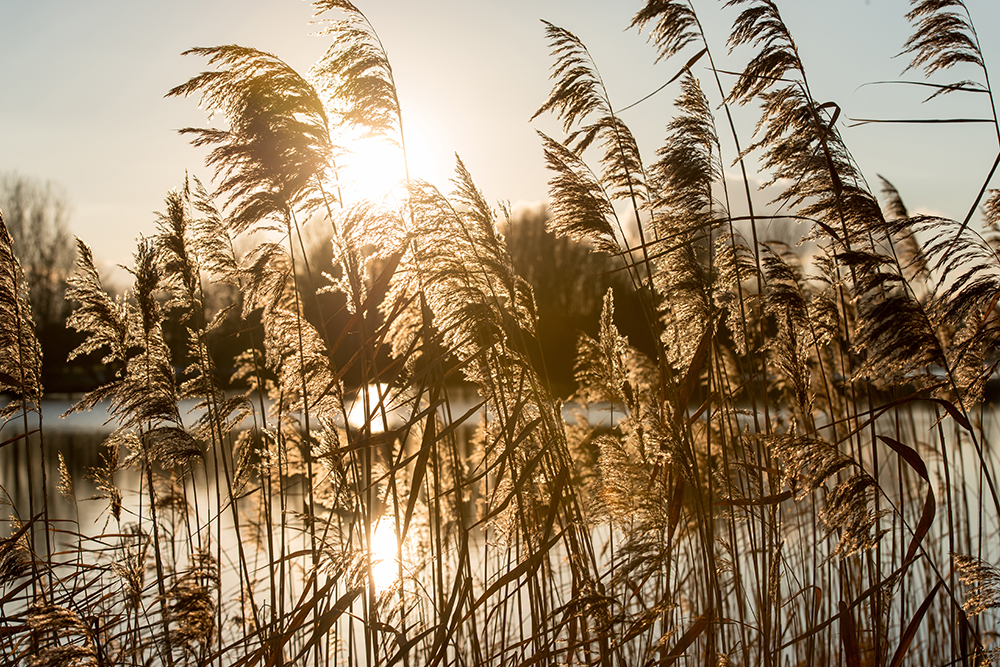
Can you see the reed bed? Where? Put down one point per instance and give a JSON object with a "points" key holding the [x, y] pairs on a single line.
{"points": [[799, 471]]}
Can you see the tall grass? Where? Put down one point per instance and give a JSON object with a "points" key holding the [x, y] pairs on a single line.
{"points": [[799, 473]]}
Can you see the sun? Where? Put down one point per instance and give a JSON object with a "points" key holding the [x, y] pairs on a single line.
{"points": [[371, 169], [384, 409]]}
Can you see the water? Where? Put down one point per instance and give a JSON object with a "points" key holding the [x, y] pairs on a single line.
{"points": [[78, 438]]}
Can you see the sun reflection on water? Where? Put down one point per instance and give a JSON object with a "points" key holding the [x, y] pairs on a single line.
{"points": [[384, 554]]}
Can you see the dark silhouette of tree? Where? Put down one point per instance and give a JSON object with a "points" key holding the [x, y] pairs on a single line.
{"points": [[36, 214], [570, 280]]}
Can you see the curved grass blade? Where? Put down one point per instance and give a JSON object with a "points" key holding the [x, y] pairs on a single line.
{"points": [[911, 628], [911, 456]]}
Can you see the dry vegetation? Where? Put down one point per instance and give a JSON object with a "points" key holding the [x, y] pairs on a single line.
{"points": [[799, 474]]}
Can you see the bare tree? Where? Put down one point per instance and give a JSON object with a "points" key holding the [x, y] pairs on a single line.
{"points": [[36, 215]]}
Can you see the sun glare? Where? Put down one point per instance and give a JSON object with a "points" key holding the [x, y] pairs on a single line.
{"points": [[365, 411], [372, 171], [384, 554]]}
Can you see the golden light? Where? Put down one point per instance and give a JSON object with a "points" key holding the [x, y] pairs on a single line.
{"points": [[375, 408], [384, 554], [371, 170], [430, 145]]}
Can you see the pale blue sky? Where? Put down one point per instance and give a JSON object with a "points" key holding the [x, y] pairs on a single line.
{"points": [[83, 83]]}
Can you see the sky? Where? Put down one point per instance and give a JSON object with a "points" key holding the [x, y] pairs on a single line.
{"points": [[83, 87]]}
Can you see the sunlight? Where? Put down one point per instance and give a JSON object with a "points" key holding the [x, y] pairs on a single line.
{"points": [[361, 415], [775, 444], [364, 409], [429, 148], [372, 170], [384, 554]]}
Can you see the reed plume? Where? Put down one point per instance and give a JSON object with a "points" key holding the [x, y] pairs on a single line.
{"points": [[782, 456]]}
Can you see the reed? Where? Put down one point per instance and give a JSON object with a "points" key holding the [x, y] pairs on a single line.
{"points": [[798, 471]]}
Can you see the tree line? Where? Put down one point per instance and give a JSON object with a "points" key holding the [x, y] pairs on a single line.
{"points": [[568, 277]]}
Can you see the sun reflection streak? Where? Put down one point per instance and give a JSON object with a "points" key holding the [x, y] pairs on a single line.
{"points": [[384, 554]]}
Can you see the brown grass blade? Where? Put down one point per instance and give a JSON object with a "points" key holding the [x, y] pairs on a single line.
{"points": [[955, 413], [910, 455], [775, 499], [687, 66], [526, 568], [691, 377], [979, 197], [419, 470], [911, 628], [18, 437], [849, 637], [674, 508], [325, 621], [917, 121], [699, 626], [555, 501]]}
